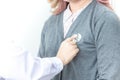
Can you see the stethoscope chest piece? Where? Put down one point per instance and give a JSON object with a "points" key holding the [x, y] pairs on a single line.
{"points": [[78, 38]]}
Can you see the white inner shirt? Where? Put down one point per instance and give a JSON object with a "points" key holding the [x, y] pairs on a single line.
{"points": [[69, 18]]}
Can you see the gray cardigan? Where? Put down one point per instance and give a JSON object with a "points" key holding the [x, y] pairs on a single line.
{"points": [[99, 56]]}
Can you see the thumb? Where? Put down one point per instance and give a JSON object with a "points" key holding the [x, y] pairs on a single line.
{"points": [[72, 37]]}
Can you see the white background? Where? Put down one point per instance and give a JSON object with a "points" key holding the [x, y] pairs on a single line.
{"points": [[22, 20], [116, 6]]}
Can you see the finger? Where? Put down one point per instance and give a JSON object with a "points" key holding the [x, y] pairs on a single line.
{"points": [[75, 52], [74, 46], [73, 42], [71, 38]]}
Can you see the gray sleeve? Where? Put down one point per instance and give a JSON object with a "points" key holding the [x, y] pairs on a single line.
{"points": [[107, 41]]}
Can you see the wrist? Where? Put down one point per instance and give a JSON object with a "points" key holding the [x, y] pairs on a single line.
{"points": [[62, 59]]}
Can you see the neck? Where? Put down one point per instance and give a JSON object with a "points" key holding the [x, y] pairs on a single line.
{"points": [[78, 4]]}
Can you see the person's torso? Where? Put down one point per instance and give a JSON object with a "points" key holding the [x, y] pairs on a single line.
{"points": [[84, 65]]}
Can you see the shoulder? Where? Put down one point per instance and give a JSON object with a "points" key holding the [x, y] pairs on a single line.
{"points": [[48, 22], [51, 22], [104, 13], [53, 18]]}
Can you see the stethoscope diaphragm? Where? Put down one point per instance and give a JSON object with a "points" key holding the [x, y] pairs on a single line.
{"points": [[78, 38]]}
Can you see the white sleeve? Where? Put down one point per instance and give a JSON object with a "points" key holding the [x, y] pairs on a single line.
{"points": [[20, 65], [46, 68]]}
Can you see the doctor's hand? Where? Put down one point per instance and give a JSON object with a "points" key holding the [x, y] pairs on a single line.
{"points": [[68, 50]]}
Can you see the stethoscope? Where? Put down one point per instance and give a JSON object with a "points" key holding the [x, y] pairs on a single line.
{"points": [[78, 38]]}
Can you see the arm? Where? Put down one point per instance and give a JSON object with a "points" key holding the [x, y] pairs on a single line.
{"points": [[50, 67], [107, 37], [19, 64]]}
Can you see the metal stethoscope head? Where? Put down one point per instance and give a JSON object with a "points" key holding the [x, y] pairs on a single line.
{"points": [[78, 38]]}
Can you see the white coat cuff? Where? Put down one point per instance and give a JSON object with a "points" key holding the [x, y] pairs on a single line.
{"points": [[58, 63]]}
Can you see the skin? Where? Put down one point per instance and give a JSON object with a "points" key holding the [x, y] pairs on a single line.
{"points": [[62, 4], [78, 4], [68, 50], [75, 5], [68, 46], [105, 2]]}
